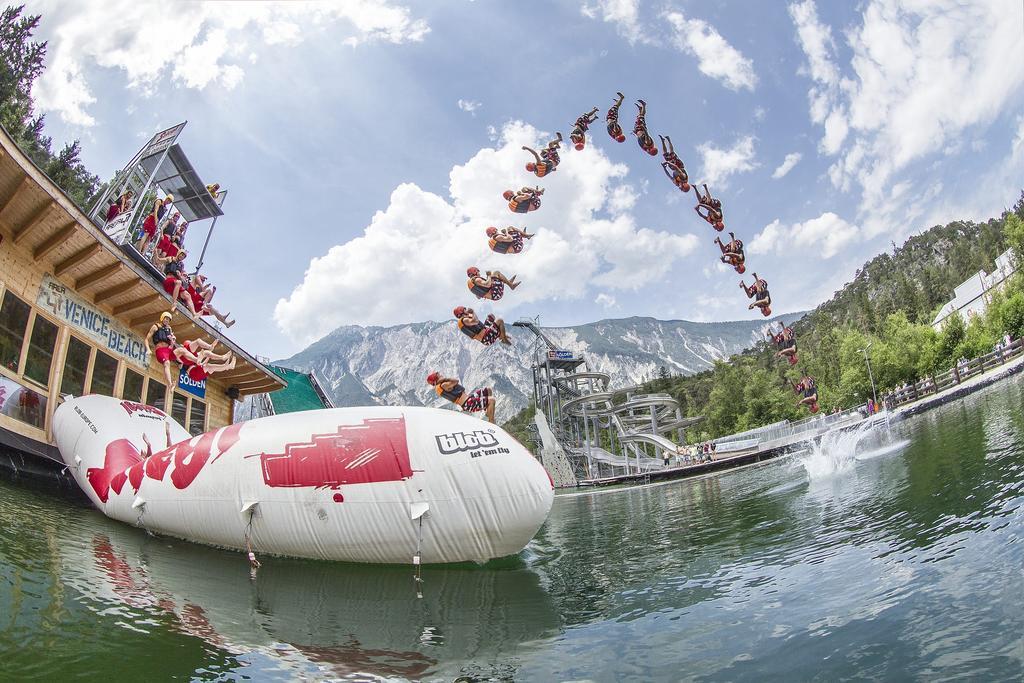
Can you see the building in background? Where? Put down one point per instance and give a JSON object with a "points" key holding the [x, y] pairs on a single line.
{"points": [[972, 296]]}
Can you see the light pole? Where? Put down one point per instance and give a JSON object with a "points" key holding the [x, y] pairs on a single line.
{"points": [[867, 360]]}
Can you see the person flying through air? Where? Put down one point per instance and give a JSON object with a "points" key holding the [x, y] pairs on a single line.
{"points": [[759, 292], [732, 253], [643, 138], [524, 201], [712, 209], [507, 240], [614, 129], [485, 331], [450, 388], [785, 340], [491, 287], [578, 136], [547, 161], [673, 165], [807, 389]]}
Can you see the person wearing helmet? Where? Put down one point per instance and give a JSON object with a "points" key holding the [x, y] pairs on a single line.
{"points": [[201, 294], [787, 345], [673, 165], [759, 292], [451, 389], [153, 220], [120, 205], [485, 331], [732, 253], [507, 240], [807, 388], [578, 136], [198, 360], [162, 344], [710, 209], [547, 161], [643, 138], [612, 117], [526, 200], [491, 287], [176, 282]]}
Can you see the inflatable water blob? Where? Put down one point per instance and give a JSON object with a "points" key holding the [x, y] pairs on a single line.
{"points": [[377, 484]]}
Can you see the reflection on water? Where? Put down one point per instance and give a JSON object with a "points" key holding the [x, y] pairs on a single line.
{"points": [[902, 561]]}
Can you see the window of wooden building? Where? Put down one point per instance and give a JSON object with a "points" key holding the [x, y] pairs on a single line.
{"points": [[197, 417], [104, 374], [76, 366], [155, 394], [39, 358], [179, 408], [132, 389], [14, 315]]}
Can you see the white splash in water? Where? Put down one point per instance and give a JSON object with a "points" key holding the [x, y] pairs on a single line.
{"points": [[836, 452]]}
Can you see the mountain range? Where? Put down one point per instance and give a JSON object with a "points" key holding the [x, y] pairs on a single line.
{"points": [[388, 365]]}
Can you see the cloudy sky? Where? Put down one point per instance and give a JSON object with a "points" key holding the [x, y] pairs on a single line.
{"points": [[365, 143]]}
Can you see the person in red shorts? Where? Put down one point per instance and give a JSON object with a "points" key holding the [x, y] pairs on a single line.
{"points": [[451, 389], [485, 331], [578, 136], [120, 205], [524, 201], [709, 208], [759, 292], [153, 220], [643, 138], [732, 253], [160, 342], [673, 165], [614, 129], [507, 240], [176, 282], [545, 162], [201, 295], [199, 361], [491, 287]]}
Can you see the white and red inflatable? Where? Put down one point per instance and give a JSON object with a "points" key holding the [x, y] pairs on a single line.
{"points": [[353, 484]]}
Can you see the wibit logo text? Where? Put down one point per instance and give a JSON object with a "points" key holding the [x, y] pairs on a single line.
{"points": [[464, 441], [131, 407]]}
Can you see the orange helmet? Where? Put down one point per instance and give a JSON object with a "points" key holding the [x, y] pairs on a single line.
{"points": [[766, 311], [579, 146], [741, 269], [531, 167], [459, 311], [814, 407], [433, 377], [492, 231], [508, 194], [472, 271]]}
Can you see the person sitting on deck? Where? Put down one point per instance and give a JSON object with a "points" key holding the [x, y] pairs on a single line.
{"points": [[643, 138], [759, 292], [213, 189], [710, 209], [578, 136], [485, 331], [153, 220], [524, 201], [201, 294], [547, 161], [166, 250], [732, 253], [120, 205], [450, 388], [508, 240], [491, 287], [614, 129], [176, 282], [807, 388]]}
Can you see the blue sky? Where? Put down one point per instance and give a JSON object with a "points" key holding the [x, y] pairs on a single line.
{"points": [[365, 145]]}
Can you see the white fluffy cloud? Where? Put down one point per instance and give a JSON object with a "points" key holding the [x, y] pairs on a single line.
{"points": [[787, 165], [718, 164], [410, 261], [625, 14], [828, 234], [469, 106], [715, 56], [195, 43], [922, 76]]}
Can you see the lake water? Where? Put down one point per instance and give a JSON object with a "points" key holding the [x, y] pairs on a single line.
{"points": [[899, 557]]}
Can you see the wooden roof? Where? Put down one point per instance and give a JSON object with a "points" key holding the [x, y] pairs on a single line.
{"points": [[38, 217]]}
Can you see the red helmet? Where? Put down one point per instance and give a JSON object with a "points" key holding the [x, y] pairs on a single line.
{"points": [[433, 377], [459, 311], [653, 151], [621, 138], [579, 146], [741, 269], [472, 271], [766, 311], [814, 407], [492, 231], [531, 166], [508, 194]]}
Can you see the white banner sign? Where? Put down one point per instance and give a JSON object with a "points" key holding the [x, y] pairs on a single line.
{"points": [[112, 336]]}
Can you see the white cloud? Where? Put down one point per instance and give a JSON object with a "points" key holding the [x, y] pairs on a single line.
{"points": [[922, 78], [469, 106], [828, 234], [197, 44], [787, 165], [410, 260], [715, 56], [625, 14], [605, 301], [719, 164]]}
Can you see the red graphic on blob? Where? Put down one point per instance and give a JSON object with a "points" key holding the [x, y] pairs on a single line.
{"points": [[373, 452], [119, 456]]}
